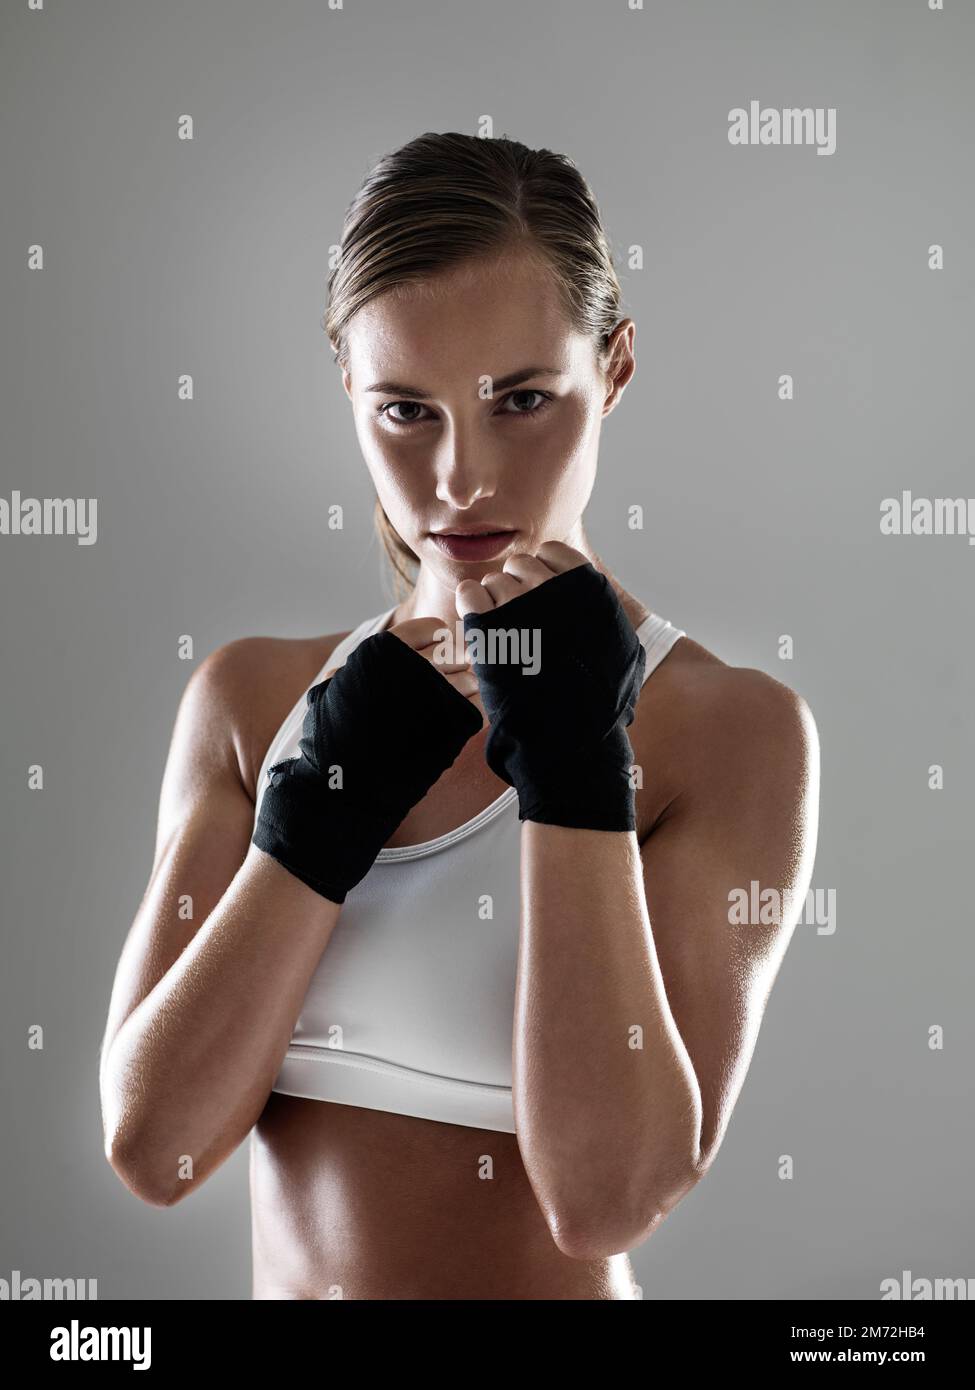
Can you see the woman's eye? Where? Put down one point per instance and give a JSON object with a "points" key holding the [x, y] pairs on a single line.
{"points": [[395, 405], [383, 410], [538, 409]]}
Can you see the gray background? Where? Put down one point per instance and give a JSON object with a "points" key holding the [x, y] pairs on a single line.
{"points": [[762, 518]]}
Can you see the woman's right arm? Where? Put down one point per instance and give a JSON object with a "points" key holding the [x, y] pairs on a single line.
{"points": [[217, 962]]}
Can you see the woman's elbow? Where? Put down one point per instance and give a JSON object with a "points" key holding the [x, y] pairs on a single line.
{"points": [[140, 1175], [617, 1233], [130, 1151]]}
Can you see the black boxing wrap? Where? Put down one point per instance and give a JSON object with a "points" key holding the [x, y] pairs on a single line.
{"points": [[376, 736], [559, 736]]}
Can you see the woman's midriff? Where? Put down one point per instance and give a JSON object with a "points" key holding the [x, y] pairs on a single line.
{"points": [[357, 1203], [366, 1204]]}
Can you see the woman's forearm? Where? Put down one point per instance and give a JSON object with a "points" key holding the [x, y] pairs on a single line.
{"points": [[607, 1106], [189, 1071]]}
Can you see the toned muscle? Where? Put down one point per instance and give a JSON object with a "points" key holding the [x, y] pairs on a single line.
{"points": [[381, 1205], [362, 1203]]}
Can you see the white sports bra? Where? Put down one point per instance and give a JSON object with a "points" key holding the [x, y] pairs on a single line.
{"points": [[411, 1006]]}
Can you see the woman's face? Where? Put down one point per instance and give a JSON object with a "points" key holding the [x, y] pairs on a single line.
{"points": [[443, 453]]}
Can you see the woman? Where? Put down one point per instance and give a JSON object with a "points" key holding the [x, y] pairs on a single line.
{"points": [[446, 926]]}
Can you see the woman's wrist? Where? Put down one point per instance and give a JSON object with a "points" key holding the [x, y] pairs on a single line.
{"points": [[558, 729], [376, 736]]}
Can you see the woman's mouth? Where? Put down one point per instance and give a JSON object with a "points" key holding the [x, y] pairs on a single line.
{"points": [[483, 547]]}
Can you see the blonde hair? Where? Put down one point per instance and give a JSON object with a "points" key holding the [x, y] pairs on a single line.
{"points": [[446, 198]]}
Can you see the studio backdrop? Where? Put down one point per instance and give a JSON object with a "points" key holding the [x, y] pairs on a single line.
{"points": [[786, 480]]}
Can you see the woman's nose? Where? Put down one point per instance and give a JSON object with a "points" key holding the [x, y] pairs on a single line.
{"points": [[464, 474]]}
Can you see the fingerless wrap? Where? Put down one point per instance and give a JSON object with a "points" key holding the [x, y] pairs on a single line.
{"points": [[376, 736], [559, 736]]}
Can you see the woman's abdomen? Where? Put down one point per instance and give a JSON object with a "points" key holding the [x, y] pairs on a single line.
{"points": [[366, 1204]]}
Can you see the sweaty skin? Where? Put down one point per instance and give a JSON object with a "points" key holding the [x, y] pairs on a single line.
{"points": [[357, 1203], [363, 1203]]}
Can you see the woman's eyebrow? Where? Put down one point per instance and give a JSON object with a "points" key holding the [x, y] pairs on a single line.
{"points": [[501, 383]]}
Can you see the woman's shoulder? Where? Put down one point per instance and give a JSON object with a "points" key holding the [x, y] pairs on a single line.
{"points": [[256, 682], [705, 728], [736, 703]]}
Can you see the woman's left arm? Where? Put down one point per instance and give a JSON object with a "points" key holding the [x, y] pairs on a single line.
{"points": [[640, 989]]}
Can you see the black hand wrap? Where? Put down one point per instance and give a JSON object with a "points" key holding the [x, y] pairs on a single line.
{"points": [[559, 736], [376, 736]]}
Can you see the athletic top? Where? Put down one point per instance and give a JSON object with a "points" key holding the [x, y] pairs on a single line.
{"points": [[411, 1006]]}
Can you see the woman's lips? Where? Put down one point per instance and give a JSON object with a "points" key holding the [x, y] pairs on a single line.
{"points": [[484, 547]]}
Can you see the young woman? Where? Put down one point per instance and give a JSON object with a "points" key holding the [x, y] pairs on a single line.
{"points": [[445, 927]]}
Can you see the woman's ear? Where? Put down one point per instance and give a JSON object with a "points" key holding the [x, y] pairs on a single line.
{"points": [[620, 363]]}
